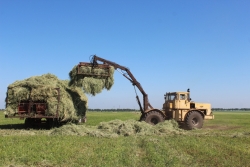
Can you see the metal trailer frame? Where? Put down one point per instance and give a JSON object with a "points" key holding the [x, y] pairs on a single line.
{"points": [[28, 113]]}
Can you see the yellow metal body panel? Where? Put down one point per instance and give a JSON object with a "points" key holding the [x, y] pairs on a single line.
{"points": [[180, 115], [209, 117], [202, 106]]}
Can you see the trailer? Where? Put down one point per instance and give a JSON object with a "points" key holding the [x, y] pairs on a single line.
{"points": [[35, 112]]}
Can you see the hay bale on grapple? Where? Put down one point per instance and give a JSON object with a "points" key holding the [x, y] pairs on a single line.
{"points": [[92, 79], [72, 103]]}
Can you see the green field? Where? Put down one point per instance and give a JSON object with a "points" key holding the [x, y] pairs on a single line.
{"points": [[224, 141]]}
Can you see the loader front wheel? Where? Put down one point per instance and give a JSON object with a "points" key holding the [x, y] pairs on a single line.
{"points": [[194, 120], [153, 117]]}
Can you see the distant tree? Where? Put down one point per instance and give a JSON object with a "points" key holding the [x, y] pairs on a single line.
{"points": [[231, 109], [113, 110]]}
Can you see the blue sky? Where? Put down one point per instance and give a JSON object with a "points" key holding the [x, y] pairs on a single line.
{"points": [[168, 46]]}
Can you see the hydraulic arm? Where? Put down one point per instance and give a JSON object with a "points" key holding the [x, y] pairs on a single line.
{"points": [[127, 74]]}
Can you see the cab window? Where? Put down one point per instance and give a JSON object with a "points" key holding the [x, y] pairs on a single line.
{"points": [[171, 97], [183, 97]]}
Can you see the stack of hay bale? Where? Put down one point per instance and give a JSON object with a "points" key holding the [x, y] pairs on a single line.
{"points": [[73, 101]]}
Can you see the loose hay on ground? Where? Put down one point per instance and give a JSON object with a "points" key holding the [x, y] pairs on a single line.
{"points": [[117, 128]]}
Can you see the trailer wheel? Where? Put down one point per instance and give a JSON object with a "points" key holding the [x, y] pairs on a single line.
{"points": [[28, 123], [153, 117], [51, 123], [194, 120]]}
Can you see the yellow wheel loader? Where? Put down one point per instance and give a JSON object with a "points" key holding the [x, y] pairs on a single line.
{"points": [[177, 106]]}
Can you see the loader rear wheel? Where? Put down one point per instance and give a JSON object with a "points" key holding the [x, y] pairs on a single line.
{"points": [[153, 117], [194, 120]]}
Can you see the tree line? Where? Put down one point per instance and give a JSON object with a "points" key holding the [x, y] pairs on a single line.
{"points": [[113, 110], [128, 109], [231, 109]]}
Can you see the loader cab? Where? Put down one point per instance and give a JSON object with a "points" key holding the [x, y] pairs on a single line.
{"points": [[177, 100], [183, 101]]}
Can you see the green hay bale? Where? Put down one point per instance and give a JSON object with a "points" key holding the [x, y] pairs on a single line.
{"points": [[72, 105], [94, 84]]}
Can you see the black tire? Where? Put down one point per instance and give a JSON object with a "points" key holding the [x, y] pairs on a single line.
{"points": [[153, 117], [28, 123], [51, 123], [142, 118], [194, 120]]}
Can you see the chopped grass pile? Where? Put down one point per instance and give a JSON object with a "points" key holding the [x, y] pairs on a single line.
{"points": [[117, 128], [92, 84], [72, 104]]}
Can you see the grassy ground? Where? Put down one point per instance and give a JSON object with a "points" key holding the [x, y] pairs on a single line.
{"points": [[223, 141]]}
